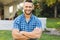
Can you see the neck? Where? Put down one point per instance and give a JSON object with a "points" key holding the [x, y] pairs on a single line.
{"points": [[27, 16]]}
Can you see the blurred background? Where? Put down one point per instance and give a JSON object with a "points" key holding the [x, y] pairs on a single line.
{"points": [[49, 9], [43, 8]]}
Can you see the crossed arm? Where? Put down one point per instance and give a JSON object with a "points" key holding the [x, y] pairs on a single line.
{"points": [[17, 35], [36, 33]]}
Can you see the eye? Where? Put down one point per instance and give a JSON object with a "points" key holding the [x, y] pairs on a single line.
{"points": [[26, 6], [30, 7]]}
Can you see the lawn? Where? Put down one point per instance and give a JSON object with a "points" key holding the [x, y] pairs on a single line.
{"points": [[6, 35], [53, 22], [49, 37]]}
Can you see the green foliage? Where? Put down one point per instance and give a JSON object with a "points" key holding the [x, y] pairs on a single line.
{"points": [[37, 8], [50, 2], [19, 12], [35, 1]]}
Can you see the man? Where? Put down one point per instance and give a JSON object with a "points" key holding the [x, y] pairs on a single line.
{"points": [[27, 26]]}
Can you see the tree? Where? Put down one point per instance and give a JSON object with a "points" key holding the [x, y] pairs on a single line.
{"points": [[53, 2], [37, 7]]}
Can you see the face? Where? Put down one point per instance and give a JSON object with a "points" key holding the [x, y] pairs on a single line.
{"points": [[28, 7]]}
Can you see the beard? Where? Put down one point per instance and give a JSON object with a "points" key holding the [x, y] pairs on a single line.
{"points": [[29, 13]]}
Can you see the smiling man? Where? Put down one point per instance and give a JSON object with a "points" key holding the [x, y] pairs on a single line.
{"points": [[27, 26]]}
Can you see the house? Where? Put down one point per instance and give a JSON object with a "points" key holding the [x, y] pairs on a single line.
{"points": [[8, 8]]}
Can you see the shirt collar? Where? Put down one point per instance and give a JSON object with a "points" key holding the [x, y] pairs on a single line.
{"points": [[25, 18]]}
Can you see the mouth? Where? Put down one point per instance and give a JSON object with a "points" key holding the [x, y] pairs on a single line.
{"points": [[28, 12]]}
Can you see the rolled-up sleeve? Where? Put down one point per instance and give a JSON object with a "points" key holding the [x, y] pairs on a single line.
{"points": [[39, 24]]}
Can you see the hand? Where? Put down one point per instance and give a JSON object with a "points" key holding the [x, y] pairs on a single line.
{"points": [[23, 32]]}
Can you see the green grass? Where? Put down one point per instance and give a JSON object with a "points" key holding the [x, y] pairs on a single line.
{"points": [[6, 35], [53, 22], [49, 37]]}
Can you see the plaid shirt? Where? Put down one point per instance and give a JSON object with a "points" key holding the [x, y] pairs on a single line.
{"points": [[21, 24]]}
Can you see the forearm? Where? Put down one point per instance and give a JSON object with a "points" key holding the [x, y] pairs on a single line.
{"points": [[31, 35], [17, 35], [36, 33], [20, 37]]}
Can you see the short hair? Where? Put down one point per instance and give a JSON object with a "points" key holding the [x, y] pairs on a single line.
{"points": [[29, 1]]}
